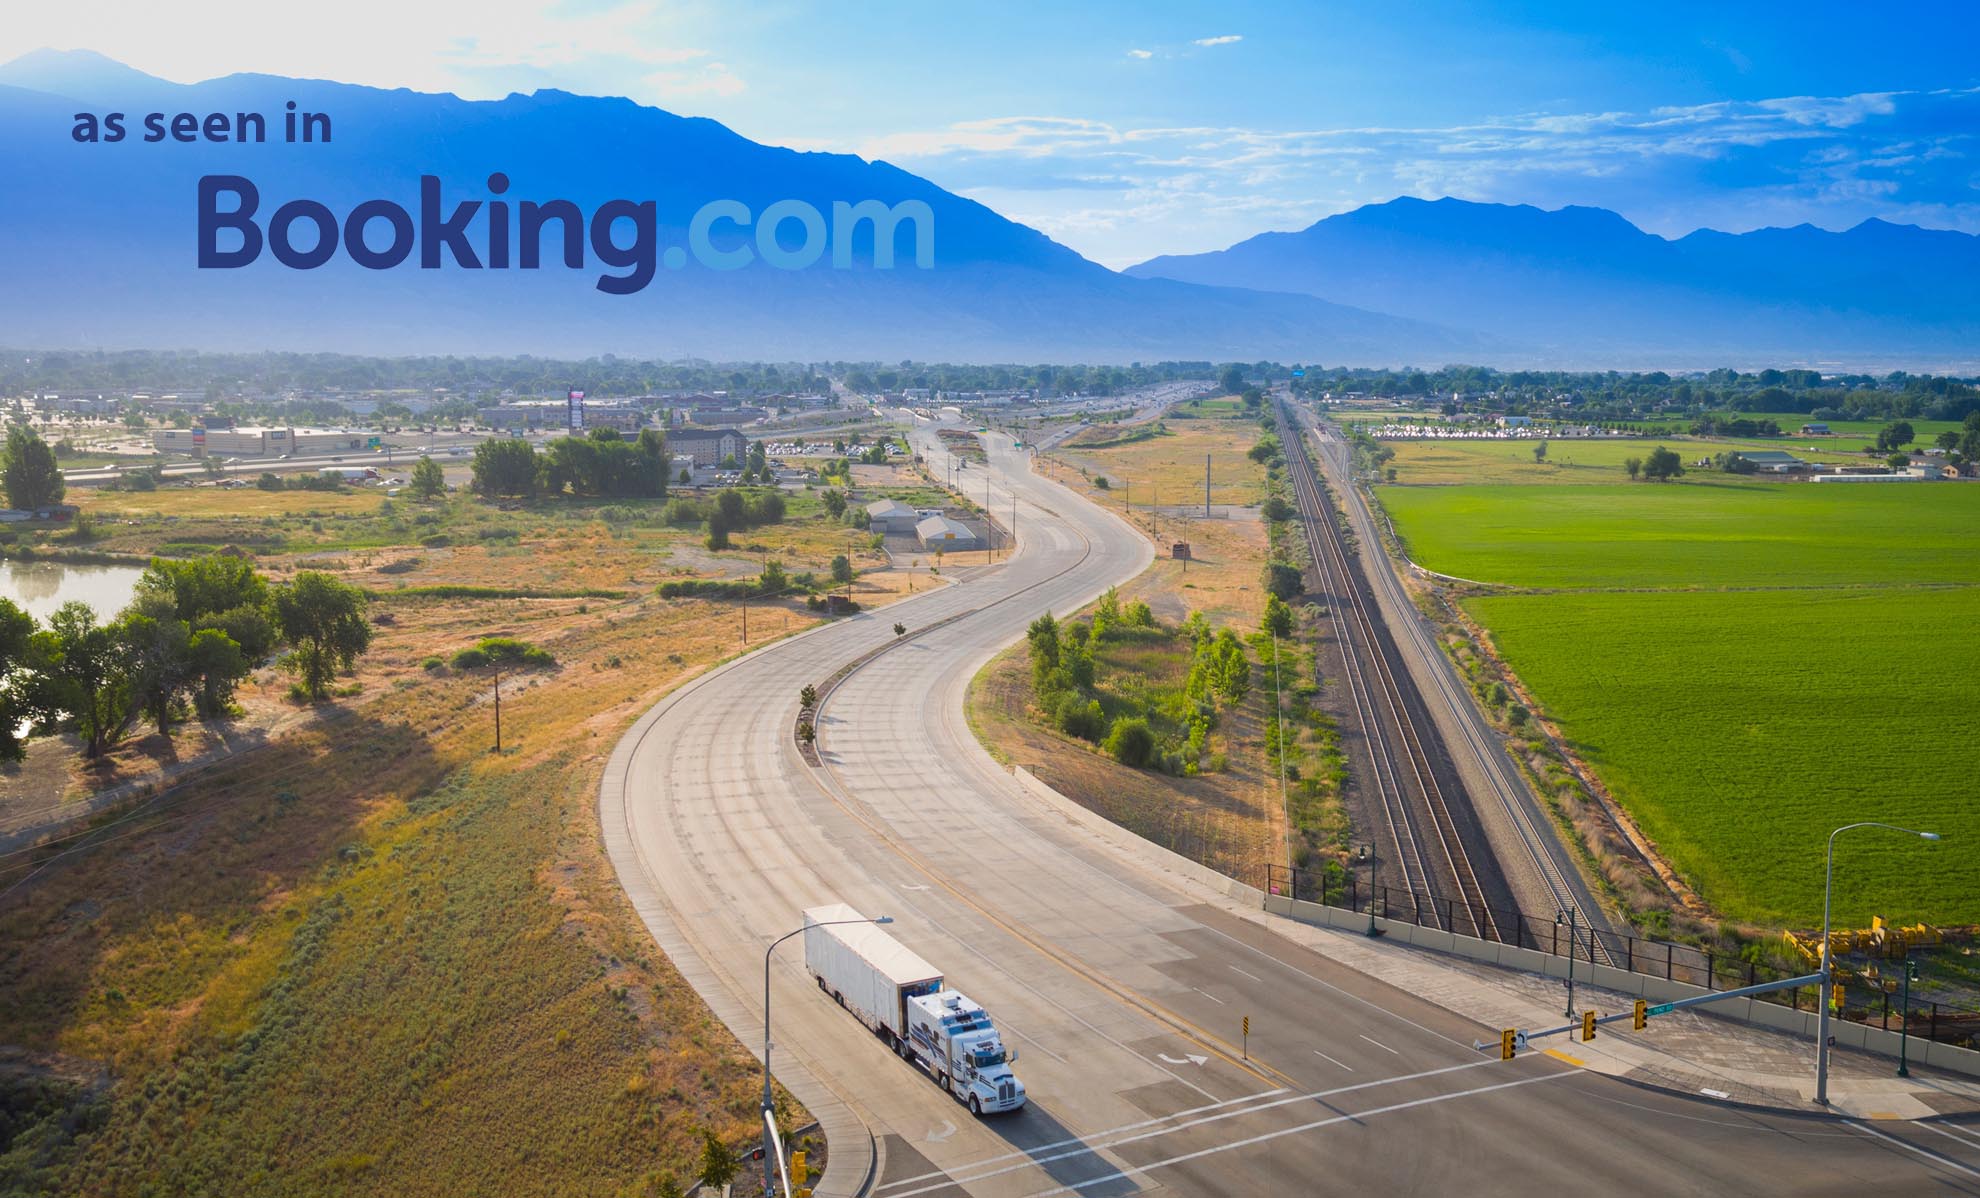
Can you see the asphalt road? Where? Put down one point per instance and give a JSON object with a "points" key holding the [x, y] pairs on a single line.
{"points": [[1122, 986]]}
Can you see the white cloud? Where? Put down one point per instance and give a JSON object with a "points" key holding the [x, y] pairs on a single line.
{"points": [[1141, 53], [1225, 40]]}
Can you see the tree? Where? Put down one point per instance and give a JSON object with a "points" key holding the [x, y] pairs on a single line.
{"points": [[1539, 452], [505, 466], [78, 677], [1231, 381], [718, 1162], [835, 503], [30, 474], [1131, 742], [157, 660], [1662, 465], [323, 621], [1282, 579], [428, 481], [1278, 617], [1898, 461], [842, 569], [16, 631], [216, 665], [1948, 440], [1634, 466], [1895, 434]]}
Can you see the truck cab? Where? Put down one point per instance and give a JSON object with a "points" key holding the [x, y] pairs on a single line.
{"points": [[955, 1039]]}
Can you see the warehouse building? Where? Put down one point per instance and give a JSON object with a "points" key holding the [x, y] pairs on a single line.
{"points": [[257, 442], [889, 516], [942, 532]]}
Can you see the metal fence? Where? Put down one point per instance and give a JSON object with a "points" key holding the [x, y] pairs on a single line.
{"points": [[1863, 1001]]}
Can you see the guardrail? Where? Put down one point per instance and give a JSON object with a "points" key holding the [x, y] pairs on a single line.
{"points": [[1691, 965]]}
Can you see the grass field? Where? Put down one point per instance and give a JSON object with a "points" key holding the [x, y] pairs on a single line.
{"points": [[1746, 665], [1167, 468], [1728, 534], [1462, 463], [1741, 728]]}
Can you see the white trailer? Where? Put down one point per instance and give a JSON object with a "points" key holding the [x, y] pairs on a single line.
{"points": [[901, 999]]}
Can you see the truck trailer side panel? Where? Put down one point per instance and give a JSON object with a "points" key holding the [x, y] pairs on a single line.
{"points": [[870, 971]]}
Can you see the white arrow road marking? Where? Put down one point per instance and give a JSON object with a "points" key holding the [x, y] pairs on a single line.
{"points": [[948, 1129], [904, 886], [1188, 1059]]}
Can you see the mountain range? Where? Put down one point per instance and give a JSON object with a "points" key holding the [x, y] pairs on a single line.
{"points": [[98, 249]]}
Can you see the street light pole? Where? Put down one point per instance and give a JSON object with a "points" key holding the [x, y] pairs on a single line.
{"points": [[1570, 976], [1828, 967], [769, 1165], [1904, 1015]]}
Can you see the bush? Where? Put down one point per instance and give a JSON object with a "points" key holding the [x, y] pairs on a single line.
{"points": [[433, 664], [1277, 509], [437, 540], [1282, 579], [1083, 719], [1131, 742]]}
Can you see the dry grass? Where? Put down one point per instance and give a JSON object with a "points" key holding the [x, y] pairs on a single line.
{"points": [[374, 957]]}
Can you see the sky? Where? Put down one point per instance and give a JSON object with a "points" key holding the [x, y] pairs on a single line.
{"points": [[1127, 130]]}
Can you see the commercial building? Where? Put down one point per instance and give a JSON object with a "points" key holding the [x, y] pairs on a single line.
{"points": [[890, 516], [258, 442], [1771, 461], [708, 446], [942, 532]]}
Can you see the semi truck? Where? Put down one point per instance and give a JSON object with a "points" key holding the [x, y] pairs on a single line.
{"points": [[904, 1001]]}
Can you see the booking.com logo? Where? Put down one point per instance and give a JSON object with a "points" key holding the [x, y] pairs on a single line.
{"points": [[622, 234]]}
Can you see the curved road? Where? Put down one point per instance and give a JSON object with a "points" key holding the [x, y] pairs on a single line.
{"points": [[1120, 976]]}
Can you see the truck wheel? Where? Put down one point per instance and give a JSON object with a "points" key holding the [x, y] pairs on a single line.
{"points": [[942, 1080], [975, 1107]]}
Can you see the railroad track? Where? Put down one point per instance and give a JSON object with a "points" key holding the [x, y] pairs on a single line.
{"points": [[1413, 805], [1535, 840]]}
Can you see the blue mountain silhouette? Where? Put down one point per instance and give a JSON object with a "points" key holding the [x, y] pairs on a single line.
{"points": [[1584, 286], [99, 242]]}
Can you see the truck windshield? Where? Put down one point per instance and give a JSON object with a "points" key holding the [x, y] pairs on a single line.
{"points": [[988, 1055]]}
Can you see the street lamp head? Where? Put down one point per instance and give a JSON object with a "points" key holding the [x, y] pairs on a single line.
{"points": [[884, 919], [1931, 835]]}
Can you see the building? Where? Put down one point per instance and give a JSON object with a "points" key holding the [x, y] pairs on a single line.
{"points": [[1771, 461], [250, 441], [618, 415], [1515, 422], [708, 446], [942, 532], [1816, 429], [526, 414], [889, 516]]}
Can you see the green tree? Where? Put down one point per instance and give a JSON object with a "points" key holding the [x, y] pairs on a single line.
{"points": [[1633, 466], [1231, 381], [16, 631], [773, 580], [505, 466], [1278, 617], [157, 660], [79, 677], [1131, 742], [428, 480], [1895, 434], [1662, 465], [718, 1162], [30, 474], [1898, 461], [1539, 452], [323, 621], [1282, 579], [842, 569], [216, 665], [835, 503]]}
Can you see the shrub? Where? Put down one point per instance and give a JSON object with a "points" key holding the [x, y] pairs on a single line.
{"points": [[1081, 718], [1282, 579], [433, 664], [1131, 742], [437, 540]]}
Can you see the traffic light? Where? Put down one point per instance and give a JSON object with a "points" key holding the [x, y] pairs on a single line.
{"points": [[1506, 1044], [1588, 1025], [1641, 1016]]}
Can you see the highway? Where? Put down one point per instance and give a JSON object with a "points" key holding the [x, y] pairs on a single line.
{"points": [[1121, 979]]}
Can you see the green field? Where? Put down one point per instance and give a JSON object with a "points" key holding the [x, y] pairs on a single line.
{"points": [[1748, 665], [1445, 463], [1726, 534], [1741, 728]]}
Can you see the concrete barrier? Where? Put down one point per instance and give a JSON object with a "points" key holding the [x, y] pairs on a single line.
{"points": [[1757, 1012]]}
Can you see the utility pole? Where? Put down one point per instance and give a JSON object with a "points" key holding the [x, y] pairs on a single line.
{"points": [[1206, 486], [498, 709]]}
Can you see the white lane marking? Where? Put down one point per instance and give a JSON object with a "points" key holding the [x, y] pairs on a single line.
{"points": [[1962, 1141], [1205, 993], [1188, 1059], [1379, 1044], [1343, 1064], [1126, 1127], [1241, 973], [1326, 985], [1092, 1144], [1936, 1158], [1315, 1125], [1956, 1128]]}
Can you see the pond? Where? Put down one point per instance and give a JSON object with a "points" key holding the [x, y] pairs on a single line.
{"points": [[41, 587]]}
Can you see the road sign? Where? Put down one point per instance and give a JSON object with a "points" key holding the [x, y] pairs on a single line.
{"points": [[1519, 1041], [1662, 1008]]}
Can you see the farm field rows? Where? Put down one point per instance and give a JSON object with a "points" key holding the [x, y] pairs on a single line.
{"points": [[1746, 666], [1740, 728], [1711, 535]]}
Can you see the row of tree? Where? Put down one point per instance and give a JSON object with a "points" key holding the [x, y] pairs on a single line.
{"points": [[191, 633], [601, 463]]}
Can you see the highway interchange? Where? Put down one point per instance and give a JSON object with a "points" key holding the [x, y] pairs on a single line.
{"points": [[1121, 979]]}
